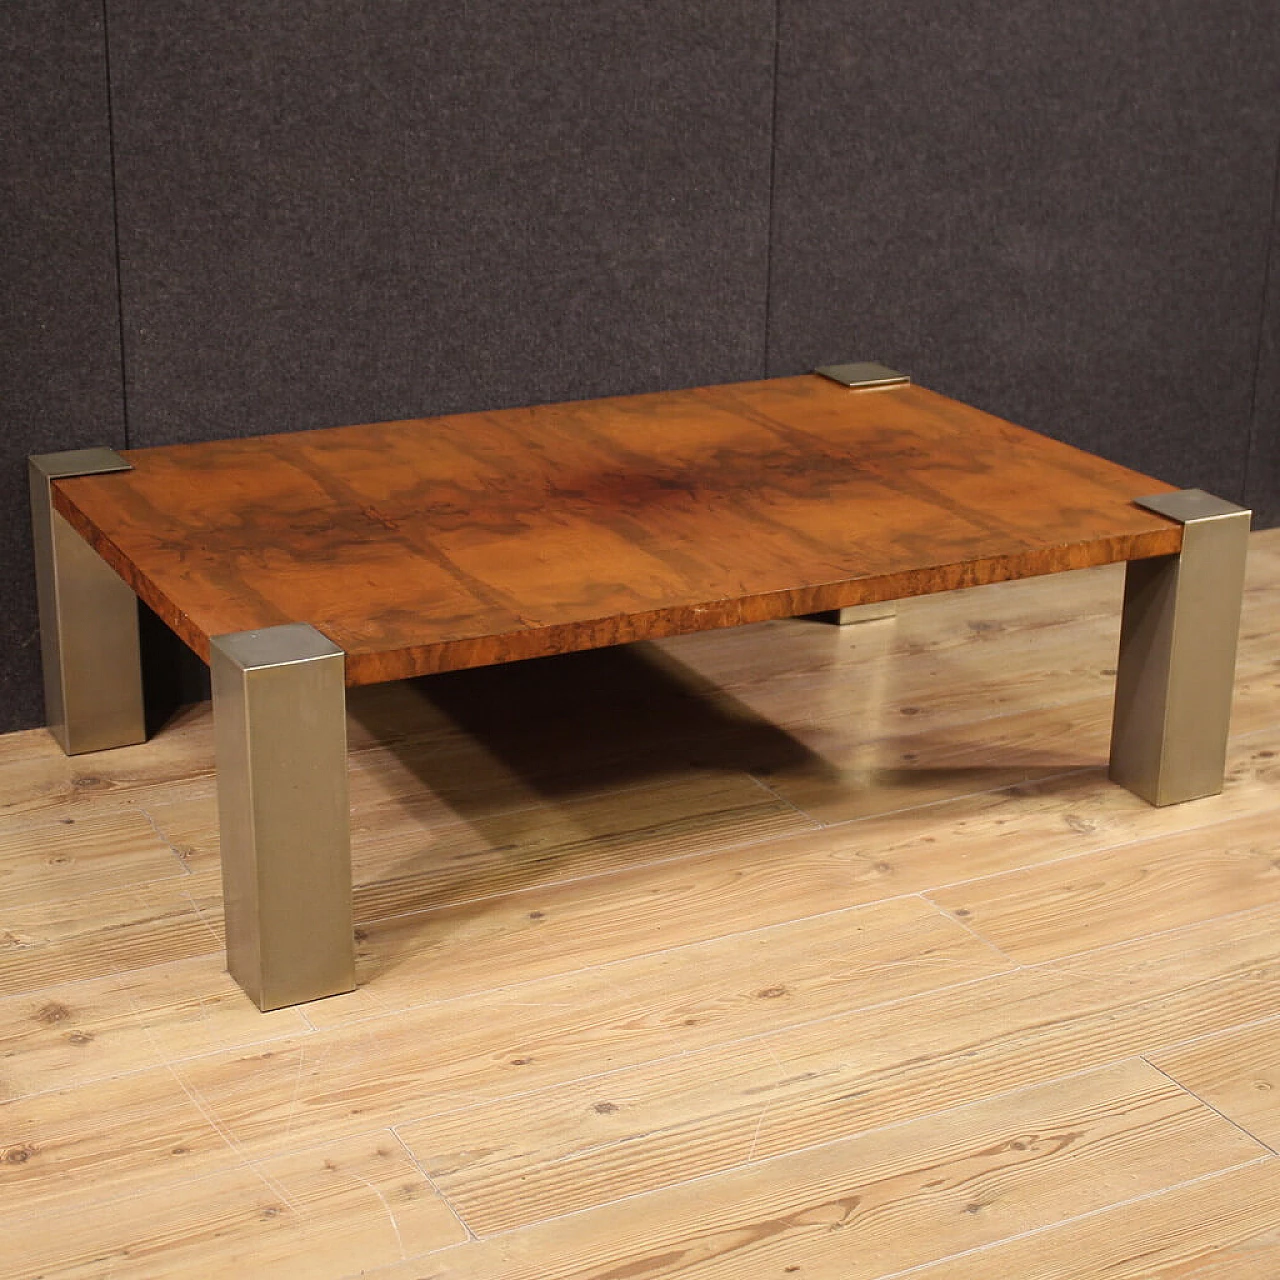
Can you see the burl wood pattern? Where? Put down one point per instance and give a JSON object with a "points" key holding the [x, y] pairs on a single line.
{"points": [[437, 544]]}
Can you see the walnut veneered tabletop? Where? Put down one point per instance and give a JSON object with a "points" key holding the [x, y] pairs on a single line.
{"points": [[435, 544]]}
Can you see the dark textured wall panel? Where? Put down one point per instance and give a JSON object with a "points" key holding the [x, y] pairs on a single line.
{"points": [[59, 346], [1262, 492], [1055, 211], [337, 211]]}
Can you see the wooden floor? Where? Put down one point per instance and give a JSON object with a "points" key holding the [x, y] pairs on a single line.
{"points": [[786, 951]]}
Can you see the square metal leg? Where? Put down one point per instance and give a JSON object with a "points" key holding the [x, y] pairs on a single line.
{"points": [[852, 614], [1178, 653], [88, 620], [279, 713]]}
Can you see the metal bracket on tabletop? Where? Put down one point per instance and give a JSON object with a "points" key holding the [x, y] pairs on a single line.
{"points": [[863, 374]]}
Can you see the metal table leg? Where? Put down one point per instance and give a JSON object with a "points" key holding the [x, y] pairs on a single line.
{"points": [[853, 614], [279, 713], [88, 620], [1178, 652]]}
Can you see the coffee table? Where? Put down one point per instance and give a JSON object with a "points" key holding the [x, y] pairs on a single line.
{"points": [[297, 565]]}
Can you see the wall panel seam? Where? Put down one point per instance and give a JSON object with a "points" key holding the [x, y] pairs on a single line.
{"points": [[115, 220], [773, 182], [1251, 432]]}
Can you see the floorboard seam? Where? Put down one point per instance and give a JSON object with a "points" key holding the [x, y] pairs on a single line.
{"points": [[1080, 1217], [944, 800], [859, 1134], [1204, 1102], [1060, 962], [951, 918], [604, 874], [431, 1182], [164, 840], [1094, 850], [1178, 1045]]}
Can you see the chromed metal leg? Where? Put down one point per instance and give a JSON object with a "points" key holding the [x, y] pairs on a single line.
{"points": [[280, 734], [88, 620], [855, 613], [1178, 652]]}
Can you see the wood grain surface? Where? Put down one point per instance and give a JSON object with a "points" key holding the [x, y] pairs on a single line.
{"points": [[1046, 912], [884, 1201], [1218, 1228], [634, 1016], [431, 545]]}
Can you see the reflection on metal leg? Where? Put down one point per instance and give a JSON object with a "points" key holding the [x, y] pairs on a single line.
{"points": [[279, 712], [1178, 652], [88, 620]]}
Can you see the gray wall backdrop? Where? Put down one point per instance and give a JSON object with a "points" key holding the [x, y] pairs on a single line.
{"points": [[228, 217]]}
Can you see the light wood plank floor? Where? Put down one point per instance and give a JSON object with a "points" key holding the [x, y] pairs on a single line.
{"points": [[788, 951]]}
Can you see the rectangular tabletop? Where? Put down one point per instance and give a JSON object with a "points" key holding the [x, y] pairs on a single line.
{"points": [[436, 544]]}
